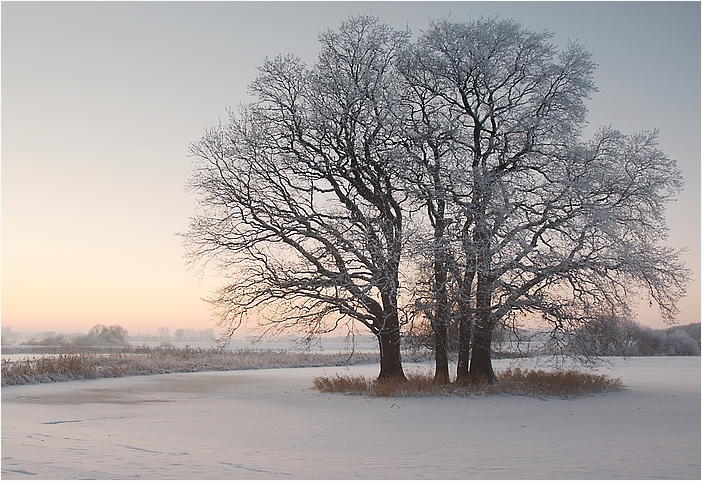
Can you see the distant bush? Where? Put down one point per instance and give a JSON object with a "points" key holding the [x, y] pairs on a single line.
{"points": [[692, 330], [511, 381], [679, 343]]}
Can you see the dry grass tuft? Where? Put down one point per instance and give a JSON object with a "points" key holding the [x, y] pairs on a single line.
{"points": [[343, 384], [555, 383], [563, 383]]}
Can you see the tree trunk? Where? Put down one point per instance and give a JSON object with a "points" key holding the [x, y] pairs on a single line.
{"points": [[464, 328], [442, 310], [441, 317], [465, 313], [441, 353], [481, 356], [390, 358]]}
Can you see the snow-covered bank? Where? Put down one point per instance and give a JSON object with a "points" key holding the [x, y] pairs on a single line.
{"points": [[271, 424]]}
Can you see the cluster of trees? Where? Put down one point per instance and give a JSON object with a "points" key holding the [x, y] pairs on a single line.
{"points": [[194, 335], [623, 337], [8, 337], [99, 335], [443, 180]]}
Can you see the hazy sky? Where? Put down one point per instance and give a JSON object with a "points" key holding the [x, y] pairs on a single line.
{"points": [[100, 101]]}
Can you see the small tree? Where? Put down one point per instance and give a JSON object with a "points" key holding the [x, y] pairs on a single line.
{"points": [[163, 334]]}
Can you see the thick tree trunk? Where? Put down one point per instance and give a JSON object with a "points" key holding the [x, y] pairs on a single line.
{"points": [[389, 338], [390, 358], [481, 356]]}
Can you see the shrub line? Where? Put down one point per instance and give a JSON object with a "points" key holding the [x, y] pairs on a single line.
{"points": [[92, 365]]}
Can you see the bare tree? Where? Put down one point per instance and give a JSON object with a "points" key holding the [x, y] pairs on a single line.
{"points": [[114, 335], [429, 131], [300, 195], [547, 224], [163, 334]]}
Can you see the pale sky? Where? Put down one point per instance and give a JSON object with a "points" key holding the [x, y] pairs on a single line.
{"points": [[100, 101]]}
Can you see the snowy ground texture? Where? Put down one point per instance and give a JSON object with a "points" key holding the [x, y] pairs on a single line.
{"points": [[271, 424]]}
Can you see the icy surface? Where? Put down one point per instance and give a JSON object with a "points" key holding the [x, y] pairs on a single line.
{"points": [[271, 424]]}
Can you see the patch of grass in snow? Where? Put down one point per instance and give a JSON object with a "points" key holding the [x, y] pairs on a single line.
{"points": [[143, 361], [555, 383], [563, 383]]}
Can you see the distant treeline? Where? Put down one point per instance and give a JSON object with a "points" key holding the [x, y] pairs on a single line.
{"points": [[99, 335], [163, 334], [608, 337], [102, 335]]}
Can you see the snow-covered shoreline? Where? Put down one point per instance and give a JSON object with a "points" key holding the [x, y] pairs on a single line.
{"points": [[271, 424]]}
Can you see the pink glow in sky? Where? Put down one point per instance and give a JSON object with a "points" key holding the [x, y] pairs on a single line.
{"points": [[100, 101]]}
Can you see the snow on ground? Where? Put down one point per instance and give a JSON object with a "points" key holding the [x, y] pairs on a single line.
{"points": [[271, 424]]}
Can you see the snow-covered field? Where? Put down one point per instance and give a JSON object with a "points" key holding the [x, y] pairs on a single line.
{"points": [[271, 424]]}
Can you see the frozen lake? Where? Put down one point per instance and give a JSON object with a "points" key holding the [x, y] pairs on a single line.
{"points": [[270, 424]]}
